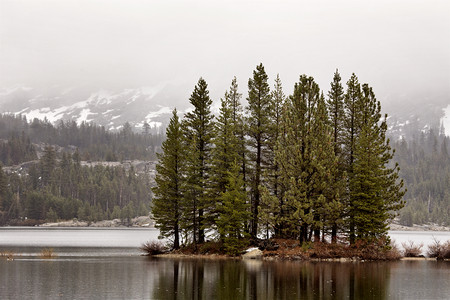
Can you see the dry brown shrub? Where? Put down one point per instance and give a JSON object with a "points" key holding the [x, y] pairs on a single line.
{"points": [[438, 250], [411, 249], [153, 248]]}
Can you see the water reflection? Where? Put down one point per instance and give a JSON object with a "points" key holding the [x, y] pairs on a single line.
{"points": [[136, 277], [203, 279]]}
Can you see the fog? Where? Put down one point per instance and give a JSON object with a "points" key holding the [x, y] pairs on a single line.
{"points": [[401, 48]]}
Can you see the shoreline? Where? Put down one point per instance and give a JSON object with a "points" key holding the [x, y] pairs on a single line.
{"points": [[279, 259], [146, 221]]}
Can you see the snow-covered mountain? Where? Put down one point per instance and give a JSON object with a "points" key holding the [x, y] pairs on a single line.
{"points": [[154, 105], [408, 121], [111, 109]]}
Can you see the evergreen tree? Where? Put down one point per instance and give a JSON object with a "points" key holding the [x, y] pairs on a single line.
{"points": [[327, 207], [198, 131], [271, 206], [352, 113], [234, 213], [335, 106], [375, 191], [295, 156], [258, 120], [47, 165], [3, 188], [233, 98], [166, 206], [225, 152]]}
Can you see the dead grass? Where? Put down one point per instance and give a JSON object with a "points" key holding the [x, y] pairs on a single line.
{"points": [[47, 253]]}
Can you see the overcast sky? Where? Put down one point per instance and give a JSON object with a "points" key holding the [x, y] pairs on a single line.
{"points": [[401, 48]]}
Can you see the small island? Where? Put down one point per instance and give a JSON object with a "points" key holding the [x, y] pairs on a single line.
{"points": [[302, 176]]}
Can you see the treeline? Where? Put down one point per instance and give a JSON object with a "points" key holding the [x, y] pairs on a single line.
{"points": [[425, 167], [61, 188], [306, 166], [93, 142]]}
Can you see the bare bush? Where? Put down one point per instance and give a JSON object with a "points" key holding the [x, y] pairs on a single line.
{"points": [[439, 250], [153, 248], [411, 249]]}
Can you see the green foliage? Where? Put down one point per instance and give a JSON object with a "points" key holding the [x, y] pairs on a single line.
{"points": [[425, 167], [233, 213], [17, 149], [198, 133], [167, 203], [93, 141], [258, 128]]}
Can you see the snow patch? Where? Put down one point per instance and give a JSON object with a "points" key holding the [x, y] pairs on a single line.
{"points": [[445, 121], [162, 111], [84, 115]]}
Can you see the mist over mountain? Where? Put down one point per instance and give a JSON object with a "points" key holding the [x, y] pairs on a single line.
{"points": [[113, 108], [107, 108]]}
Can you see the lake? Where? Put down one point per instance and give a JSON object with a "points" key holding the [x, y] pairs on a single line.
{"points": [[105, 264]]}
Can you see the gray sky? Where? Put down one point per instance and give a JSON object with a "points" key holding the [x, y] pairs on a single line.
{"points": [[401, 48]]}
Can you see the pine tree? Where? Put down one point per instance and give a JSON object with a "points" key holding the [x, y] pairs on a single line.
{"points": [[225, 152], [198, 131], [352, 113], [271, 200], [375, 191], [234, 212], [326, 207], [335, 106], [295, 156], [168, 193], [3, 188], [233, 98], [47, 165], [258, 128]]}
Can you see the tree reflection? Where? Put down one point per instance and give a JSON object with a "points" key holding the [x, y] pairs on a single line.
{"points": [[233, 279]]}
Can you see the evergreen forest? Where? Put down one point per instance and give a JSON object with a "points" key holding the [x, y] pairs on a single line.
{"points": [[425, 167], [45, 176]]}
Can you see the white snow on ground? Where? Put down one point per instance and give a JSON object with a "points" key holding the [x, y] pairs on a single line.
{"points": [[446, 120]]}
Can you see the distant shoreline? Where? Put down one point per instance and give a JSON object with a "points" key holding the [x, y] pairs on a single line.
{"points": [[146, 221], [415, 227], [142, 221]]}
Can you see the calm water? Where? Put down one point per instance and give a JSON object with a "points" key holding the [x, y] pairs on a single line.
{"points": [[105, 264]]}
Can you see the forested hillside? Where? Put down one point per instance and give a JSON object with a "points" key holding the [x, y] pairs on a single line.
{"points": [[92, 141], [425, 167], [45, 175]]}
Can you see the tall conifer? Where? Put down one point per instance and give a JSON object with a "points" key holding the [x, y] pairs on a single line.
{"points": [[375, 191], [198, 130], [258, 128], [335, 106], [352, 114], [167, 207]]}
